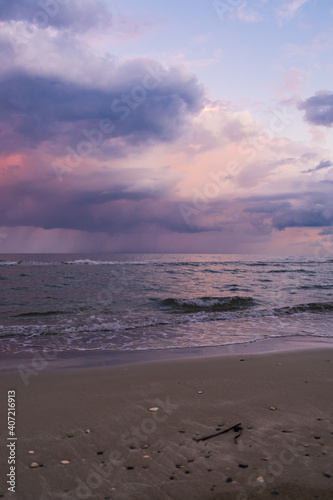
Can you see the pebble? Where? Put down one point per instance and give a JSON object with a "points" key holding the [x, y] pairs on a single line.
{"points": [[146, 456], [33, 465], [130, 467], [190, 460], [243, 465], [286, 430], [327, 474], [273, 408], [100, 452], [260, 479], [264, 458], [228, 480], [172, 477], [31, 452], [180, 466], [155, 408], [145, 446], [65, 462], [200, 392], [87, 431], [317, 437], [70, 435], [274, 492]]}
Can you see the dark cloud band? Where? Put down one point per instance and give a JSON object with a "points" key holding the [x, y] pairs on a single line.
{"points": [[319, 109]]}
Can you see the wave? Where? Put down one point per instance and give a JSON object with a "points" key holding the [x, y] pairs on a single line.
{"points": [[39, 313], [195, 312], [78, 262], [310, 307], [224, 264], [88, 262], [209, 303], [307, 271]]}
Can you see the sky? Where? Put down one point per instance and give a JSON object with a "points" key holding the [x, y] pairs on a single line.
{"points": [[179, 126]]}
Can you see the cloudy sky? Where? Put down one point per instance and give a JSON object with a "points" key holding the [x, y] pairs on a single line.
{"points": [[174, 126]]}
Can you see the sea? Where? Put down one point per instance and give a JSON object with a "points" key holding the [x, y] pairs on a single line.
{"points": [[131, 302]]}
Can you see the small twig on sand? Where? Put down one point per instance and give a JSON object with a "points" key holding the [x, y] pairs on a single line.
{"points": [[234, 427]]}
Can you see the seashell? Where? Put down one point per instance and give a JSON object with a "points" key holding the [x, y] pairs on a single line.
{"points": [[65, 462], [33, 465], [153, 409]]}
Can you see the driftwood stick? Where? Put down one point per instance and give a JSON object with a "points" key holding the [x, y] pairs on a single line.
{"points": [[217, 433]]}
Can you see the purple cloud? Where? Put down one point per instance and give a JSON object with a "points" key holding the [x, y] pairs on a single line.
{"points": [[323, 164], [143, 103], [78, 15], [319, 109]]}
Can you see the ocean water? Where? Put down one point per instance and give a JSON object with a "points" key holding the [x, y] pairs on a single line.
{"points": [[138, 301]]}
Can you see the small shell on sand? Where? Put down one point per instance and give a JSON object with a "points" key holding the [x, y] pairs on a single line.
{"points": [[260, 479], [200, 392], [31, 452], [146, 456], [153, 409], [65, 462], [87, 431], [33, 465], [273, 408]]}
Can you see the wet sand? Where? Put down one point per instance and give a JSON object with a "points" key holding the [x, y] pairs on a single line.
{"points": [[98, 420]]}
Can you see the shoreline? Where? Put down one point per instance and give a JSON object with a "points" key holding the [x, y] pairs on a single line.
{"points": [[97, 420], [53, 360]]}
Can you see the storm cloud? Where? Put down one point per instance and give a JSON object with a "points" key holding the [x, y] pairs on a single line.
{"points": [[143, 102]]}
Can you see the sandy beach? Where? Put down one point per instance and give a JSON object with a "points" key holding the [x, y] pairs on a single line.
{"points": [[98, 421]]}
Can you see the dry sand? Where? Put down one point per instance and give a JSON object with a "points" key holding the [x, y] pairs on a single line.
{"points": [[98, 420]]}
